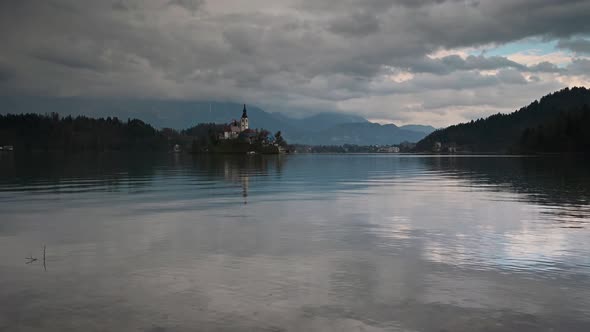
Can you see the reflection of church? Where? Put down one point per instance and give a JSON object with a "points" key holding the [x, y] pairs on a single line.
{"points": [[245, 184], [235, 128], [238, 174], [240, 171]]}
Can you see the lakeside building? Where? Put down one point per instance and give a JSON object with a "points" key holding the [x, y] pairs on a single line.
{"points": [[389, 149], [437, 147]]}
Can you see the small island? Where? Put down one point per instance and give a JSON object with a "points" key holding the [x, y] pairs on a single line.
{"points": [[234, 137]]}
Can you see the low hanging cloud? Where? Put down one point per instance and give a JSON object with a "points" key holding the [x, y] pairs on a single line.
{"points": [[376, 58], [190, 5], [355, 25]]}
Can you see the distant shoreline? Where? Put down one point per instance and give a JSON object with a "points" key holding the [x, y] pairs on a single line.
{"points": [[233, 154]]}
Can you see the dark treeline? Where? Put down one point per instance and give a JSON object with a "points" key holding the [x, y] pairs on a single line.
{"points": [[569, 132], [52, 132], [556, 123], [202, 136], [204, 130]]}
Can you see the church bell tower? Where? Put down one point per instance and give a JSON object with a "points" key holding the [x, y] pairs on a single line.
{"points": [[244, 120]]}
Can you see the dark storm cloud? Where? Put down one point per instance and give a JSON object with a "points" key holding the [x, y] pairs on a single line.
{"points": [[119, 5], [546, 67], [190, 5], [355, 25], [6, 72], [481, 62], [347, 5], [580, 67], [453, 63], [467, 23], [67, 60], [422, 3], [461, 81], [314, 54], [578, 45], [500, 21]]}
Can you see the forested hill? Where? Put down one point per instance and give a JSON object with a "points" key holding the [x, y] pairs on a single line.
{"points": [[51, 132], [559, 122]]}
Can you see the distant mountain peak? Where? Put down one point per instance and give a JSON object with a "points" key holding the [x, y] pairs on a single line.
{"points": [[420, 128], [320, 128]]}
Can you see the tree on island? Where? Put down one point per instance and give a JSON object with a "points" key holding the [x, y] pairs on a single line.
{"points": [[261, 137], [279, 140]]}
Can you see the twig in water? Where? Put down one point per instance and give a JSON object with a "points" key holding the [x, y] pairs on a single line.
{"points": [[30, 259], [44, 265]]}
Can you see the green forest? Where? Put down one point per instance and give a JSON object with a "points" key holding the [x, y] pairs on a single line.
{"points": [[556, 123], [51, 132]]}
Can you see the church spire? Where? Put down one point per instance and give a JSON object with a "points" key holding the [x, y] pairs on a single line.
{"points": [[244, 112], [244, 120]]}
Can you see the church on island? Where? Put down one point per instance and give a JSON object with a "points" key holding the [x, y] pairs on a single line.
{"points": [[237, 136], [235, 129]]}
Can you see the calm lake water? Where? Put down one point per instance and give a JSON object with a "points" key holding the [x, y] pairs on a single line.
{"points": [[294, 243]]}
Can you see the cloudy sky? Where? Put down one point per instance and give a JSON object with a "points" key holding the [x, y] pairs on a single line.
{"points": [[404, 61]]}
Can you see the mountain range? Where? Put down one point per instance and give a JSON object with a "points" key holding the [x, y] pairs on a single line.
{"points": [[327, 128]]}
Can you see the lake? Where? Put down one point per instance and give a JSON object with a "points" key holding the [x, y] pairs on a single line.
{"points": [[294, 243]]}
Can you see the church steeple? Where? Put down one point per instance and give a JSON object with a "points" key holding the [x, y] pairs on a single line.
{"points": [[244, 112], [244, 120]]}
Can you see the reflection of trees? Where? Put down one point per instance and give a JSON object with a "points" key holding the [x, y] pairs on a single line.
{"points": [[233, 167], [563, 184], [62, 173], [7, 167], [74, 172], [560, 184]]}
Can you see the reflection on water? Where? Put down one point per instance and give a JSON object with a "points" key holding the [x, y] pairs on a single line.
{"points": [[292, 243]]}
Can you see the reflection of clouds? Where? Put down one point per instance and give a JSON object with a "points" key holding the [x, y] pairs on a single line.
{"points": [[453, 253], [375, 245], [538, 248], [393, 227], [560, 185], [256, 292], [460, 223], [485, 291]]}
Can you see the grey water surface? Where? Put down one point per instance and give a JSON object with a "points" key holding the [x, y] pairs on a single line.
{"points": [[294, 243]]}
